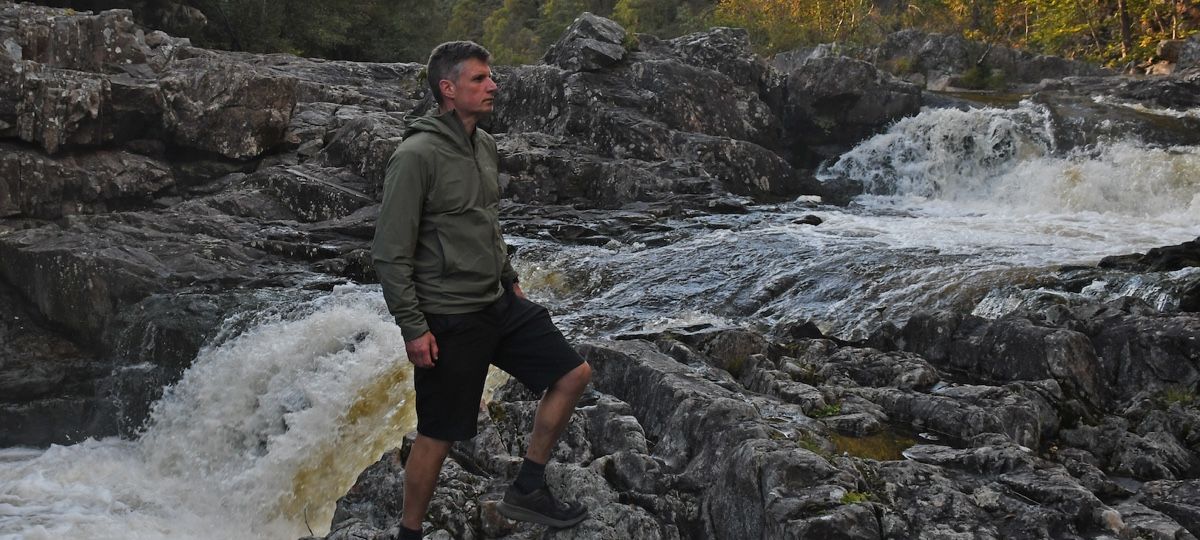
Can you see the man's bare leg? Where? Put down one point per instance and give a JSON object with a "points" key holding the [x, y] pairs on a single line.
{"points": [[420, 478], [554, 411]]}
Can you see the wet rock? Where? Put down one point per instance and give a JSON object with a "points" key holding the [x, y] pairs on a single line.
{"points": [[48, 383], [1076, 115], [110, 262], [590, 43], [963, 412], [1160, 259], [377, 497], [1176, 92], [1009, 349], [808, 220], [832, 103]]}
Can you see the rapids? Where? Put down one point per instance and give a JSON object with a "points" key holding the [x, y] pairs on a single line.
{"points": [[272, 424]]}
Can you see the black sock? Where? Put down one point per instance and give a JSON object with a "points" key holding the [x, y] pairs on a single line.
{"points": [[531, 476], [409, 534]]}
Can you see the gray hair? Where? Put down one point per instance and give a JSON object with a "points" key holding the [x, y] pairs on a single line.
{"points": [[446, 63]]}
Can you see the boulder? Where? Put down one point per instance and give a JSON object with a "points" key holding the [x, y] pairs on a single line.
{"points": [[226, 108], [832, 103], [1177, 499], [49, 385], [728, 52], [1189, 55], [938, 55], [1159, 259], [314, 193], [590, 43], [1010, 349], [56, 107], [96, 43]]}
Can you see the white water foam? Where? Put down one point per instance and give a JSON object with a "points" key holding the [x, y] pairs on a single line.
{"points": [[1002, 161], [262, 434]]}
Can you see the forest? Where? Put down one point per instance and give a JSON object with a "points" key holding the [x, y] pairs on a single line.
{"points": [[1118, 33]]}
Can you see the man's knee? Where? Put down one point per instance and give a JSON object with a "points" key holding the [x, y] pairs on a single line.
{"points": [[577, 379]]}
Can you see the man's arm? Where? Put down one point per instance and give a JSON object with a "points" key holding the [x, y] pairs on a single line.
{"points": [[396, 232]]}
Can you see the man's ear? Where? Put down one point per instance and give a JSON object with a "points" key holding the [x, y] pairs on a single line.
{"points": [[447, 88]]}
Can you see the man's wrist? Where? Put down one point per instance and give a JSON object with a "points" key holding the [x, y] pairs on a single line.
{"points": [[412, 332]]}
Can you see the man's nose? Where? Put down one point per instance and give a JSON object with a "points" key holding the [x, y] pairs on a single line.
{"points": [[492, 86]]}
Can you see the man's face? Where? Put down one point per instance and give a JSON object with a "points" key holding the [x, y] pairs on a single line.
{"points": [[474, 91]]}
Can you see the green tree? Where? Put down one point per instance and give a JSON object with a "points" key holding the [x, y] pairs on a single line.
{"points": [[556, 16], [467, 19], [509, 32]]}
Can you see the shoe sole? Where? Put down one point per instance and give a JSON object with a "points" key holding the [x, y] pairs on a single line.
{"points": [[517, 513]]}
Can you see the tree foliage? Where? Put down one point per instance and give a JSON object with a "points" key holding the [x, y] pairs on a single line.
{"points": [[1109, 31]]}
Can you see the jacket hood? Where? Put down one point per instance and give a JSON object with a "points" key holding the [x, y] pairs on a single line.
{"points": [[445, 124]]}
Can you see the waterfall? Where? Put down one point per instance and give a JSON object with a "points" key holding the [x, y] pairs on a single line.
{"points": [[1004, 161], [257, 440]]}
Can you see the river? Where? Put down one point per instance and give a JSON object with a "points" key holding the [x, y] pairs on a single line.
{"points": [[271, 424]]}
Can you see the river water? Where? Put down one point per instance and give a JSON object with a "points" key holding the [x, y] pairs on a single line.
{"points": [[272, 424]]}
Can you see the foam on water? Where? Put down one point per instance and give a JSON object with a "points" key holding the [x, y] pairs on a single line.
{"points": [[1002, 161], [958, 203], [260, 436]]}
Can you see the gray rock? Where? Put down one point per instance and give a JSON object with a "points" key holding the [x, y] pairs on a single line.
{"points": [[937, 55], [35, 185], [1009, 349], [1147, 523], [1177, 499], [315, 193], [727, 51], [590, 43], [1189, 55], [95, 43], [227, 108], [831, 103]]}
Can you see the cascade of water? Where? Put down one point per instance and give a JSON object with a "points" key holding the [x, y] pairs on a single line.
{"points": [[958, 203], [1003, 161], [266, 430]]}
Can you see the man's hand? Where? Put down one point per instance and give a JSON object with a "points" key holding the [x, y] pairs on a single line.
{"points": [[517, 290], [422, 351]]}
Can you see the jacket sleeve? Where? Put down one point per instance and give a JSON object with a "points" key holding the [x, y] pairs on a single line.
{"points": [[396, 232], [508, 274]]}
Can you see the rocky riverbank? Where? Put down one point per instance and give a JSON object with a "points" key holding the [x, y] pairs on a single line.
{"points": [[1071, 418], [150, 189]]}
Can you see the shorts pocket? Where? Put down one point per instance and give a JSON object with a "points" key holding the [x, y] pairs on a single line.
{"points": [[445, 325]]}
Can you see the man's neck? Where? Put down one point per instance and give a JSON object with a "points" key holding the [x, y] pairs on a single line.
{"points": [[468, 121]]}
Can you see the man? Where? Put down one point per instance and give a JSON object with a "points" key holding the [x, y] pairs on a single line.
{"points": [[448, 281]]}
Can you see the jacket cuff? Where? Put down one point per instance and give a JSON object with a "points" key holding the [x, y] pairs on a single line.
{"points": [[412, 332]]}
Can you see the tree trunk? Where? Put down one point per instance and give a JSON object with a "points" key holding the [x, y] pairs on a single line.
{"points": [[1126, 38]]}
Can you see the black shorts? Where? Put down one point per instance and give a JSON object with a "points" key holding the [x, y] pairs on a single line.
{"points": [[513, 333]]}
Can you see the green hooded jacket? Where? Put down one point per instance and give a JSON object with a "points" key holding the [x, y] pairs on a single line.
{"points": [[437, 245]]}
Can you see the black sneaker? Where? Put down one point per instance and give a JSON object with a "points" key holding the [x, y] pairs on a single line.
{"points": [[539, 506]]}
